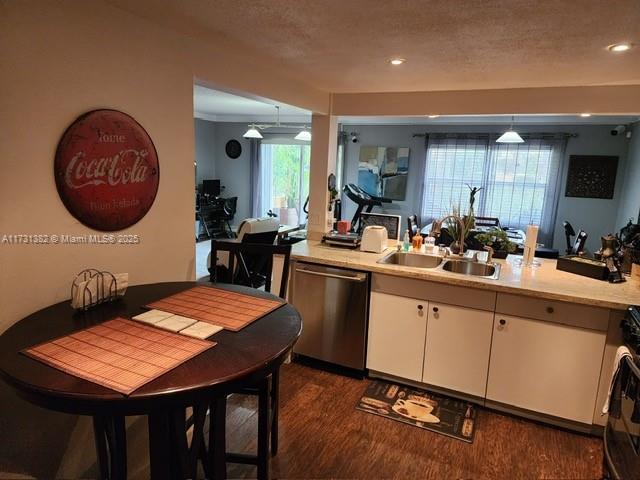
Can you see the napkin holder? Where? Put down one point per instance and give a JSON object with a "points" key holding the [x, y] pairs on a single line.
{"points": [[92, 287]]}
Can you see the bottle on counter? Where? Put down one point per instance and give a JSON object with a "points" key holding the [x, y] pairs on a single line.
{"points": [[417, 242], [406, 242], [429, 244]]}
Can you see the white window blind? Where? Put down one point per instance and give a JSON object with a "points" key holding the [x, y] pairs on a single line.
{"points": [[520, 182]]}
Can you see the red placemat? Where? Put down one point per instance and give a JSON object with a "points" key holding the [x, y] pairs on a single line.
{"points": [[119, 354], [231, 310]]}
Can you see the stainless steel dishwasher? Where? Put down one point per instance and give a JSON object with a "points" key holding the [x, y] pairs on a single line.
{"points": [[334, 304]]}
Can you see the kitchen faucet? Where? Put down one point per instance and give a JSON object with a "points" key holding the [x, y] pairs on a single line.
{"points": [[436, 227]]}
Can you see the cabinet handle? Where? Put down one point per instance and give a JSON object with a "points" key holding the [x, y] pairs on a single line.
{"points": [[501, 323], [549, 309], [435, 309], [420, 307]]}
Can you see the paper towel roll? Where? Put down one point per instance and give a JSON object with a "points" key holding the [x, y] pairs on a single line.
{"points": [[530, 244]]}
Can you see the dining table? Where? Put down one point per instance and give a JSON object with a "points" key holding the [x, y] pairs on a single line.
{"points": [[238, 359]]}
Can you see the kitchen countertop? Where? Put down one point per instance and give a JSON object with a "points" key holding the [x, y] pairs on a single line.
{"points": [[542, 282]]}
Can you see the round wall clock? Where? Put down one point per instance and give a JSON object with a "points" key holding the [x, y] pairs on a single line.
{"points": [[233, 149], [106, 170]]}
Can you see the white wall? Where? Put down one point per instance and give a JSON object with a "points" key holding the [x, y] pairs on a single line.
{"points": [[597, 217], [205, 148], [59, 60], [51, 74], [630, 198], [234, 173]]}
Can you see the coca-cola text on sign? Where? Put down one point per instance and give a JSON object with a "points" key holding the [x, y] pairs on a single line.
{"points": [[106, 170]]}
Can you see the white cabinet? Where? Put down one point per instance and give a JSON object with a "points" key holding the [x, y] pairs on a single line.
{"points": [[457, 348], [397, 327], [545, 367]]}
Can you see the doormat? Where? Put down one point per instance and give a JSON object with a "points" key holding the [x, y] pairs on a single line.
{"points": [[437, 413]]}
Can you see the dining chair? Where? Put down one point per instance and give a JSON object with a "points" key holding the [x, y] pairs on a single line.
{"points": [[487, 222], [255, 273]]}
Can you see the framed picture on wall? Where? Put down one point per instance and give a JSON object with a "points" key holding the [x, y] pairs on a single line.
{"points": [[591, 176], [382, 171]]}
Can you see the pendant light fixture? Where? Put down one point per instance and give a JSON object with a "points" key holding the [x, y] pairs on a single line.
{"points": [[304, 135], [510, 136], [253, 132], [254, 129]]}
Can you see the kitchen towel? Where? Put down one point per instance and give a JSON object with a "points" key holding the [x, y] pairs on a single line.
{"points": [[621, 353]]}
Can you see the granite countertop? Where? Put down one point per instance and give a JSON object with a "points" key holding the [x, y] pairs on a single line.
{"points": [[541, 282]]}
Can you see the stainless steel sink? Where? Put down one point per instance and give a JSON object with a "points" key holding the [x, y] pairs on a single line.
{"points": [[407, 259], [475, 269]]}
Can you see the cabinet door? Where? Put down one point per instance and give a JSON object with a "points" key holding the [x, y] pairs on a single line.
{"points": [[457, 348], [545, 367], [397, 328]]}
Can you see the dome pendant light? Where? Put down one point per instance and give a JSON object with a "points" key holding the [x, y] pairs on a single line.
{"points": [[304, 135], [510, 136], [252, 132]]}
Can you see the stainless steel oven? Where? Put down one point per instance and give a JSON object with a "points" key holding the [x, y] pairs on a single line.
{"points": [[334, 304], [622, 433]]}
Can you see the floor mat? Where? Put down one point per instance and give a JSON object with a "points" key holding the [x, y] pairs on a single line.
{"points": [[437, 413]]}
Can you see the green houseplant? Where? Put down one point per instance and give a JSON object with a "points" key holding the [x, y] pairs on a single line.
{"points": [[453, 227], [497, 239]]}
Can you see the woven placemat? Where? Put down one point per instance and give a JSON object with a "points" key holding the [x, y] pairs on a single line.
{"points": [[230, 310], [119, 354]]}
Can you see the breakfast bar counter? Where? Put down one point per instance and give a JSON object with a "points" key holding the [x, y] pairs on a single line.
{"points": [[544, 282]]}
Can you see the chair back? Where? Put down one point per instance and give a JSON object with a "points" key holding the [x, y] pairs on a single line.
{"points": [[230, 207], [258, 230], [254, 263], [487, 222], [413, 224]]}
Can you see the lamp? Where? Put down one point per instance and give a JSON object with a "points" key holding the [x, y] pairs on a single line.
{"points": [[252, 132], [510, 136], [304, 135], [254, 128]]}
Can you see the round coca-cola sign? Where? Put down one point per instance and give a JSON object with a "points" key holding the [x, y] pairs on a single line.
{"points": [[107, 170]]}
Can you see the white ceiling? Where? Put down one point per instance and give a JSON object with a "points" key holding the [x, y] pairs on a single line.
{"points": [[344, 45], [219, 106]]}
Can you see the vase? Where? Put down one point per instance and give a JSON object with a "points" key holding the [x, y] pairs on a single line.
{"points": [[455, 247]]}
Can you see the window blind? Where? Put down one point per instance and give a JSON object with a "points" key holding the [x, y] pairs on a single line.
{"points": [[520, 182]]}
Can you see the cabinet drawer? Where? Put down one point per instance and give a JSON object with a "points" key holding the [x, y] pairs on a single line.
{"points": [[583, 316], [435, 292]]}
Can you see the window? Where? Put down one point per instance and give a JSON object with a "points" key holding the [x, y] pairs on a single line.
{"points": [[284, 180], [519, 181]]}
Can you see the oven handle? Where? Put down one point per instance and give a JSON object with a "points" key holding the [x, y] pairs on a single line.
{"points": [[359, 278], [633, 367]]}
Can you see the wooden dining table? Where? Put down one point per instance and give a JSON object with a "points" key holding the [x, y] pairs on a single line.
{"points": [[239, 359]]}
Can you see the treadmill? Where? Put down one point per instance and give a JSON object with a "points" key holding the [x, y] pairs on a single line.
{"points": [[364, 201]]}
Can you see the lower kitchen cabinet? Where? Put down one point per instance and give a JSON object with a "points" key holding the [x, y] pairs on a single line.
{"points": [[545, 367], [457, 348], [397, 327]]}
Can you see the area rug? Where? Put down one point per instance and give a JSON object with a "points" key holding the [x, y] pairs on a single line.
{"points": [[437, 413]]}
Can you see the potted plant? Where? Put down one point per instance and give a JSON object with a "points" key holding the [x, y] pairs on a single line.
{"points": [[497, 239], [453, 228]]}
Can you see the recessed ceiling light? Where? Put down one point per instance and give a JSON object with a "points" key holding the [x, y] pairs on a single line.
{"points": [[619, 47], [397, 61], [433, 116], [585, 115]]}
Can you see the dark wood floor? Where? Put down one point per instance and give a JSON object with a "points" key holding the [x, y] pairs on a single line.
{"points": [[322, 435]]}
